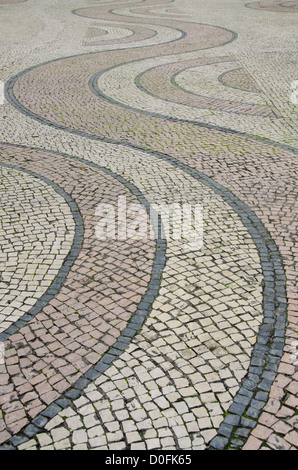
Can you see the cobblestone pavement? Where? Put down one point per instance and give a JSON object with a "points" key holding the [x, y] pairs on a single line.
{"points": [[138, 341]]}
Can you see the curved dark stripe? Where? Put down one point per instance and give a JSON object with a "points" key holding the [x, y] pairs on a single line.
{"points": [[222, 82], [145, 26], [9, 95], [134, 325], [118, 6], [68, 262], [93, 85], [272, 7], [134, 18], [108, 41], [12, 3], [267, 352], [173, 81], [286, 4]]}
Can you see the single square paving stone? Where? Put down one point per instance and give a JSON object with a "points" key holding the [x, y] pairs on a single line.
{"points": [[276, 352], [92, 374], [246, 393], [40, 421], [81, 383], [237, 409], [128, 332], [265, 385], [248, 423], [219, 443], [273, 359], [79, 436], [18, 440], [258, 361], [253, 412], [101, 367], [249, 384], [268, 375], [59, 434], [225, 430], [121, 346], [31, 430], [51, 411], [72, 394], [114, 352], [63, 403], [243, 432], [262, 396], [242, 400], [7, 447], [232, 420], [236, 443], [272, 367], [258, 404]]}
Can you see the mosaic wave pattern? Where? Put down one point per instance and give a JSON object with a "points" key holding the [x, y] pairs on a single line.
{"points": [[142, 344], [4, 2], [275, 5]]}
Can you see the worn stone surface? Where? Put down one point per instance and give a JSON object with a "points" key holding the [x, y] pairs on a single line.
{"points": [[140, 342]]}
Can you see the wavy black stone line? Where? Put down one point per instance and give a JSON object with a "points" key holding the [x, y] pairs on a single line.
{"points": [[134, 324], [118, 5], [14, 4], [125, 26], [271, 8], [253, 393], [94, 87], [9, 95], [96, 42], [220, 78], [57, 283]]}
